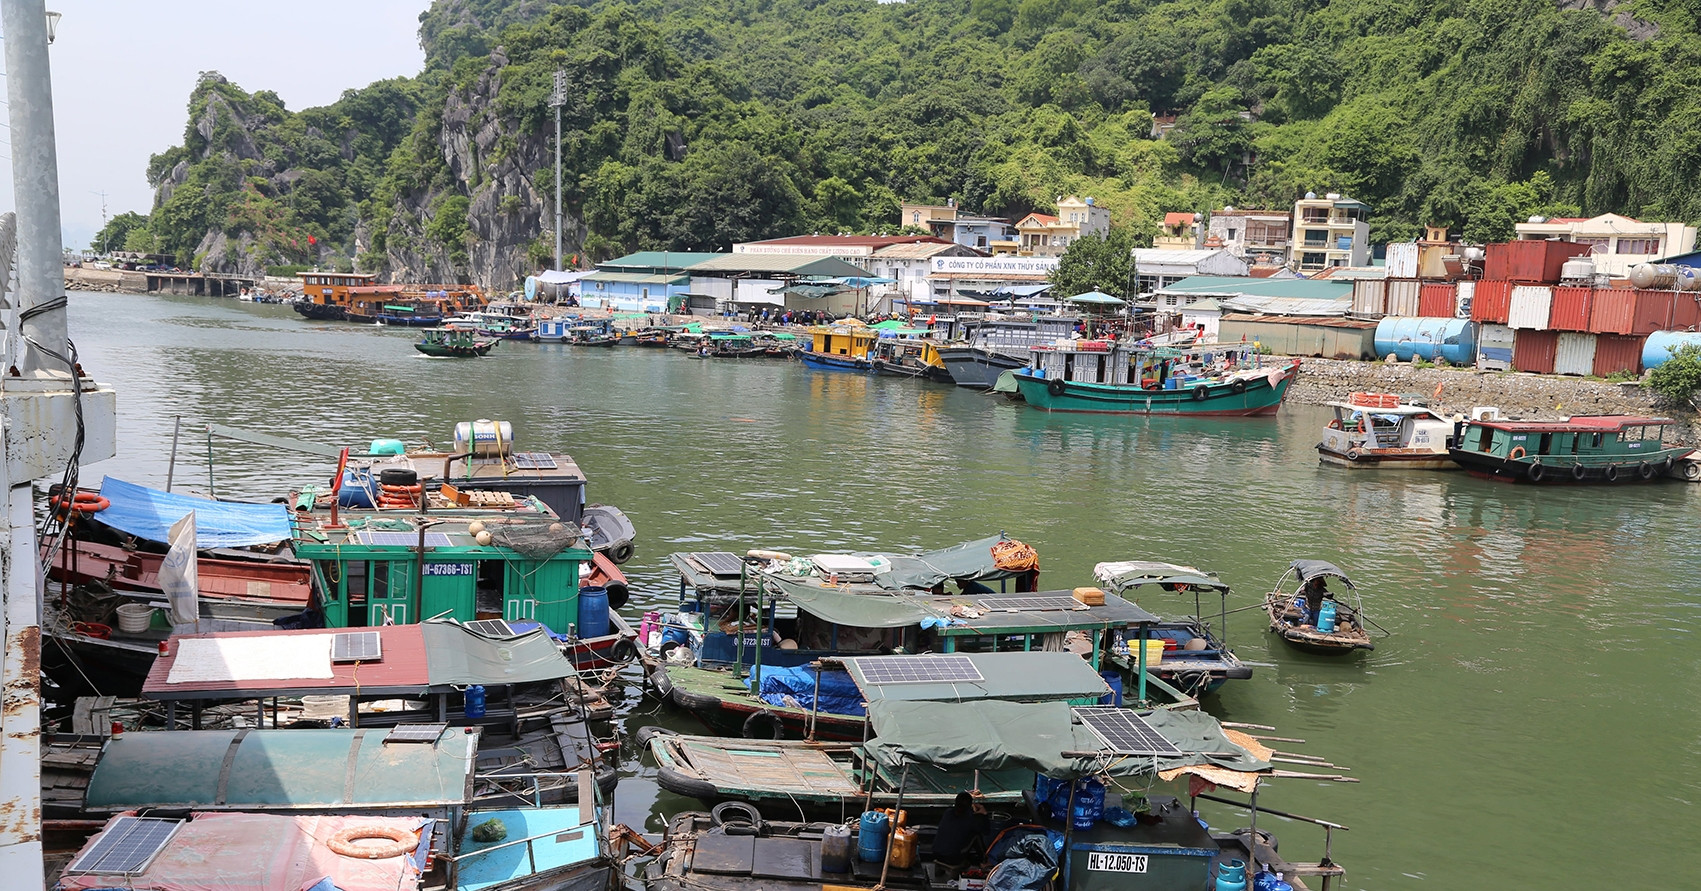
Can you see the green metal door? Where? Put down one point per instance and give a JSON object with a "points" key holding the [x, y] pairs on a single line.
{"points": [[391, 596]]}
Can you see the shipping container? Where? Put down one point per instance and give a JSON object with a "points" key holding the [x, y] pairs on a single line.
{"points": [[1402, 260], [1658, 347], [1618, 355], [1370, 297], [1685, 312], [1454, 340], [1611, 310], [1494, 347], [1403, 297], [1491, 302], [1652, 313], [1462, 299], [1574, 354], [1534, 350], [1533, 262], [1529, 307], [1436, 301], [1570, 310]]}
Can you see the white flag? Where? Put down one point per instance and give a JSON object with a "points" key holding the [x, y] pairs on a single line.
{"points": [[178, 576]]}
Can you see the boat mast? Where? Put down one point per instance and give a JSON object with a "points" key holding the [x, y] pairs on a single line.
{"points": [[52, 418]]}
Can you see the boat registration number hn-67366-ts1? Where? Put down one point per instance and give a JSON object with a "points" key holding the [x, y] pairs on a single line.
{"points": [[1102, 862]]}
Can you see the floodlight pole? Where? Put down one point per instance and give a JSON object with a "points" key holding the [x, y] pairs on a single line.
{"points": [[558, 98]]}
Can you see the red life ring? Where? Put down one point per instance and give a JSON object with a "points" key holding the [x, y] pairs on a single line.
{"points": [[1363, 424], [1516, 453], [402, 842], [1335, 424], [81, 502]]}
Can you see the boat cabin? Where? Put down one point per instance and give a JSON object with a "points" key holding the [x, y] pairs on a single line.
{"points": [[849, 338], [332, 288]]}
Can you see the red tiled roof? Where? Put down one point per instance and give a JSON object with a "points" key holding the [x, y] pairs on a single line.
{"points": [[873, 241], [1178, 218], [1043, 219]]}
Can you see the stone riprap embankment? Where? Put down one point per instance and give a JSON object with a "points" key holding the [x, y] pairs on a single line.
{"points": [[1514, 393]]}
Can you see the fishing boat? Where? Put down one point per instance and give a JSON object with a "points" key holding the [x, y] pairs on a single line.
{"points": [[1096, 822], [1335, 628], [1604, 449], [356, 297], [1378, 430], [989, 347], [591, 335], [453, 343], [841, 346], [553, 330], [908, 353], [1193, 656], [732, 345], [776, 344], [1118, 377]]}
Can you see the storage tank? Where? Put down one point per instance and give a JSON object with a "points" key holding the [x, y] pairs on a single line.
{"points": [[1665, 276], [1659, 345], [484, 438], [1452, 339], [1578, 270]]}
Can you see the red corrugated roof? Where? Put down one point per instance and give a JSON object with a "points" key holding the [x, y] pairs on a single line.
{"points": [[403, 666], [873, 241]]}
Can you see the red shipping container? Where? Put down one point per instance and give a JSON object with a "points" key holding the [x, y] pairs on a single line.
{"points": [[1436, 301], [1570, 309], [1491, 302], [1685, 311], [1652, 313], [1616, 355], [1535, 351], [1532, 262], [1612, 310]]}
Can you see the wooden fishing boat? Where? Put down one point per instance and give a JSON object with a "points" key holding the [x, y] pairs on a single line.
{"points": [[1336, 628], [1378, 431], [841, 346], [1195, 656], [776, 344], [591, 335], [1608, 449], [453, 343], [1086, 834], [1123, 378]]}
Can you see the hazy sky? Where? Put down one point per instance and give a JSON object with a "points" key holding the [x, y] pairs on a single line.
{"points": [[123, 69]]}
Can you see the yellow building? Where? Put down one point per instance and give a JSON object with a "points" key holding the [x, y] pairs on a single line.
{"points": [[1044, 235]]}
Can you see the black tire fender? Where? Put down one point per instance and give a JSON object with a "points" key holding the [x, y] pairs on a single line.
{"points": [[693, 702], [763, 725], [661, 683], [1645, 471], [735, 812], [691, 787], [621, 553], [1610, 474], [650, 732], [624, 650], [1200, 392], [1055, 386], [1355, 454], [1238, 386], [618, 594], [1578, 471], [1692, 470], [1535, 471]]}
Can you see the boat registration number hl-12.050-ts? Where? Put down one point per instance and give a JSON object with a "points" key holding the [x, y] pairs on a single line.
{"points": [[1102, 862]]}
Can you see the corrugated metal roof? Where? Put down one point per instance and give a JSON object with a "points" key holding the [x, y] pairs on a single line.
{"points": [[659, 260], [828, 242], [921, 251], [783, 264], [188, 769], [1311, 321], [1173, 258], [1235, 286], [636, 278], [1288, 306]]}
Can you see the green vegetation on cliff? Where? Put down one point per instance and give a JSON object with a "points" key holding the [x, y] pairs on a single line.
{"points": [[691, 125]]}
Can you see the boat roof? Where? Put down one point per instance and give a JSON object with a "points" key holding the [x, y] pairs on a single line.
{"points": [[962, 615], [427, 658], [561, 835], [249, 852], [1312, 569], [1402, 409], [1125, 575], [1026, 676], [1580, 422], [517, 535], [291, 769], [149, 514]]}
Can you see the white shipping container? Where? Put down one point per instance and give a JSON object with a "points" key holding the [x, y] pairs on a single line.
{"points": [[1370, 297], [1530, 307], [1403, 297], [1494, 347], [1402, 260], [1465, 293], [1575, 355]]}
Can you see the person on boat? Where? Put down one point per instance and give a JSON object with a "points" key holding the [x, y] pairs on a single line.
{"points": [[1315, 592], [961, 838]]}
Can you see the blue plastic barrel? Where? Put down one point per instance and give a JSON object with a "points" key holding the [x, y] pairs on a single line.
{"points": [[474, 697], [1114, 697], [593, 611], [1326, 617], [1656, 350], [1427, 338], [871, 837]]}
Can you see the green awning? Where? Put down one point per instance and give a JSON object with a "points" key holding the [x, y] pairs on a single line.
{"points": [[724, 337], [455, 654], [782, 335], [394, 308], [1017, 676], [889, 323], [969, 560], [861, 606]]}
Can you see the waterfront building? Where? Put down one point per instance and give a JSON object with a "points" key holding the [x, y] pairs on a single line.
{"points": [[1260, 236], [1329, 231], [1617, 242], [737, 282], [647, 281], [988, 235], [854, 249], [1044, 235], [1156, 268]]}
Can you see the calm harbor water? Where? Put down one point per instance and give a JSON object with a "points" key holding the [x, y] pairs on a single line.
{"points": [[1531, 723]]}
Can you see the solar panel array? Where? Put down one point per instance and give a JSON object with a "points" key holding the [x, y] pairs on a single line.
{"points": [[127, 846], [415, 733], [1124, 732], [534, 460], [493, 628], [356, 646], [404, 539], [1031, 604], [916, 669], [718, 562]]}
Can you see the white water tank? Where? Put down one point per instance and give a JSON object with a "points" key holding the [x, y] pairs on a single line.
{"points": [[1577, 269], [484, 438], [1653, 275]]}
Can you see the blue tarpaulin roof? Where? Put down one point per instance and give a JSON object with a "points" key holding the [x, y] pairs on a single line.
{"points": [[148, 513]]}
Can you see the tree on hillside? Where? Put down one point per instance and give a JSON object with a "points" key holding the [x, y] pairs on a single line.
{"points": [[111, 237], [1097, 263]]}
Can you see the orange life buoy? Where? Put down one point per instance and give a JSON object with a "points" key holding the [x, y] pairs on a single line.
{"points": [[1335, 424], [81, 502], [1516, 453], [1363, 424], [391, 488], [401, 842]]}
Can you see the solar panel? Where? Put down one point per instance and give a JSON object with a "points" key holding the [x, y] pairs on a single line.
{"points": [[534, 460], [916, 669], [1124, 732], [718, 562], [1031, 604], [356, 646], [404, 539], [127, 846], [492, 628], [415, 733]]}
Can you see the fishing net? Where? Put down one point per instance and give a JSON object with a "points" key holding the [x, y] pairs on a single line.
{"points": [[538, 541]]}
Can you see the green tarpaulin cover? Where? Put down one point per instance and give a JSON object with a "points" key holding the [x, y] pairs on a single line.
{"points": [[1034, 736], [860, 606], [455, 655], [970, 560]]}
